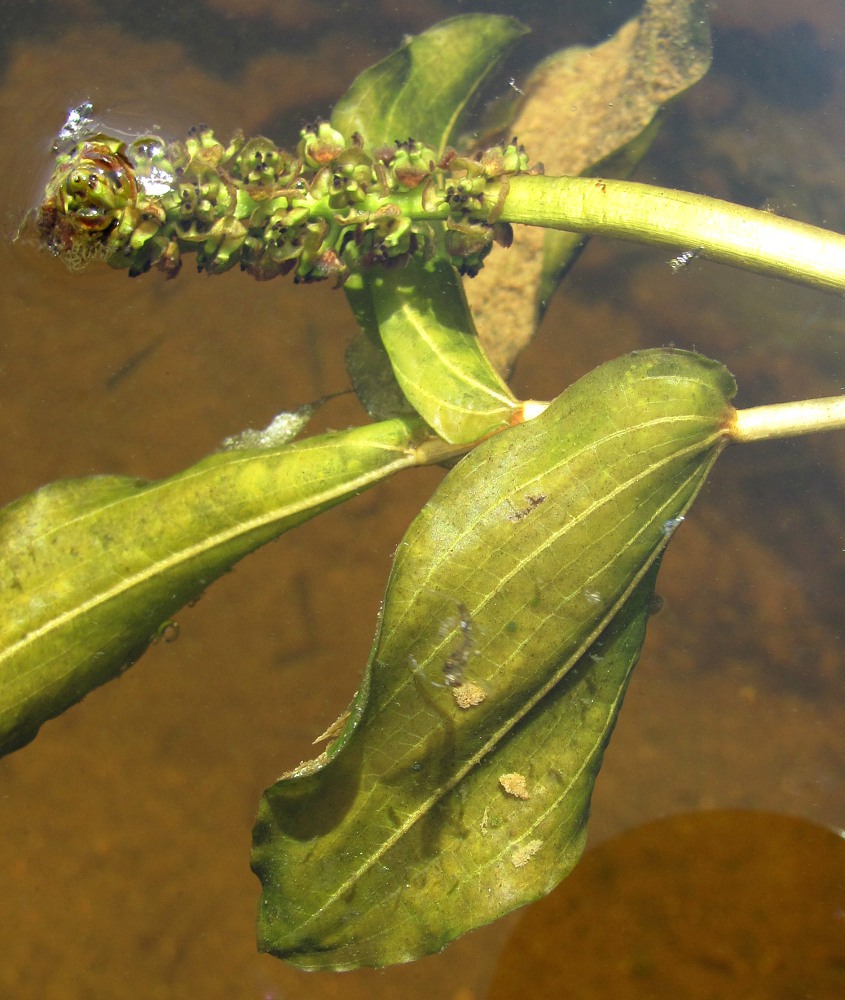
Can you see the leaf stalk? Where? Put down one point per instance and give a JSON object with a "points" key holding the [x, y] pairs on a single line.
{"points": [[780, 420]]}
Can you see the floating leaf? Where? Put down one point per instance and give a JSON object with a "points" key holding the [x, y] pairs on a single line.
{"points": [[90, 568], [534, 553]]}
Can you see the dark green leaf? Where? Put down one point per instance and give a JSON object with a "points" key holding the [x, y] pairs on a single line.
{"points": [[421, 89], [372, 376], [91, 568], [530, 557]]}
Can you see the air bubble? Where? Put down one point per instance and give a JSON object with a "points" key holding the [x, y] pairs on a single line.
{"points": [[167, 632], [671, 525], [78, 122], [684, 259]]}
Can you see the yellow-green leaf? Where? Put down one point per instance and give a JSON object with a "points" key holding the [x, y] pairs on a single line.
{"points": [[91, 568], [429, 336]]}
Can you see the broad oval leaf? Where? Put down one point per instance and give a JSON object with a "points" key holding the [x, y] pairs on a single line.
{"points": [[429, 336], [421, 89], [91, 568], [458, 787]]}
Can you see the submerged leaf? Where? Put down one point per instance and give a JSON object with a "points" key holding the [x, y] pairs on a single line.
{"points": [[372, 377], [421, 89], [582, 107], [90, 568], [458, 788], [429, 336], [420, 313]]}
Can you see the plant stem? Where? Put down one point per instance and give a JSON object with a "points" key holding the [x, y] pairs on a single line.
{"points": [[779, 420], [744, 237]]}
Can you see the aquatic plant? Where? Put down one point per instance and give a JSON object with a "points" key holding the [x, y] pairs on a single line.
{"points": [[457, 785]]}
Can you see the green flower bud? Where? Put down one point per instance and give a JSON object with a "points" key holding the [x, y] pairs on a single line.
{"points": [[332, 207], [514, 159], [318, 147], [327, 265], [146, 219], [91, 187], [202, 147], [170, 261], [222, 247], [412, 164], [468, 245], [261, 166]]}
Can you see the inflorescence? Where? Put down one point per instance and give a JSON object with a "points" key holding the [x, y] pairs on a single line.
{"points": [[330, 210]]}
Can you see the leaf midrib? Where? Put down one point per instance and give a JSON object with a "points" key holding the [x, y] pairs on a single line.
{"points": [[496, 737], [163, 565]]}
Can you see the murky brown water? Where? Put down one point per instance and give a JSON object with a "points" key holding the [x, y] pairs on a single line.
{"points": [[125, 827]]}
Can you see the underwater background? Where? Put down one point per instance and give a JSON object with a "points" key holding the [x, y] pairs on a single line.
{"points": [[125, 826]]}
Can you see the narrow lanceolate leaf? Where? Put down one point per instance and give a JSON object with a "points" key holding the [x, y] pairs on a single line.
{"points": [[91, 568], [429, 336], [459, 786], [421, 89]]}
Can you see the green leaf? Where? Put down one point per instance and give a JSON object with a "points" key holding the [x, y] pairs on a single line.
{"points": [[429, 336], [534, 553], [371, 374], [91, 568], [421, 89]]}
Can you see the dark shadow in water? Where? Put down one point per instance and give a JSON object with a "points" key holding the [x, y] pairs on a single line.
{"points": [[218, 42], [719, 904], [789, 68]]}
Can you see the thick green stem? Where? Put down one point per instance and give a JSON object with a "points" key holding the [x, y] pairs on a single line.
{"points": [[779, 420], [332, 210], [754, 240]]}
